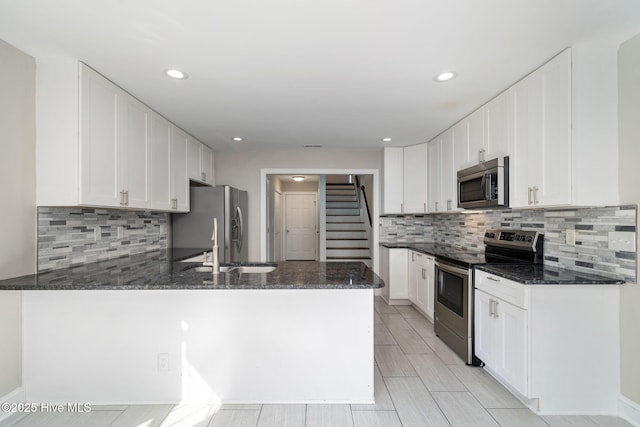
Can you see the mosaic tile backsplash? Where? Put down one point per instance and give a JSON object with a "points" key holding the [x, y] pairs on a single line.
{"points": [[591, 253], [72, 236]]}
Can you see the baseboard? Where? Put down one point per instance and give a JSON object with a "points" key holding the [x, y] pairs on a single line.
{"points": [[629, 410], [16, 396]]}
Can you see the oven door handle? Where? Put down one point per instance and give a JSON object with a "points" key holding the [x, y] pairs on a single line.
{"points": [[452, 269]]}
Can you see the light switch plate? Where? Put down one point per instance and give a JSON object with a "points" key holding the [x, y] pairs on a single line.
{"points": [[622, 241], [570, 237]]}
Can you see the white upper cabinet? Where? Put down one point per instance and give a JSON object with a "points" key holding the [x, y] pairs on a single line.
{"points": [[435, 182], [179, 178], [415, 179], [442, 170], [540, 164], [497, 127], [199, 161], [475, 127], [393, 180], [99, 146], [100, 157], [161, 162]]}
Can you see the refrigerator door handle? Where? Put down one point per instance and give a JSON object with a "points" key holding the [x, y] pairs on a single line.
{"points": [[240, 224]]}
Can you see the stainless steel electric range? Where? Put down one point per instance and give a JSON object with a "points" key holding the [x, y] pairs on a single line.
{"points": [[454, 299]]}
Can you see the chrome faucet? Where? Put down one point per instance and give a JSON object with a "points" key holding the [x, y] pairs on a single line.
{"points": [[215, 263]]}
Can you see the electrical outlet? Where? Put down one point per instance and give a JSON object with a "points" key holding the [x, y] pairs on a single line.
{"points": [[163, 362], [622, 241], [570, 237]]}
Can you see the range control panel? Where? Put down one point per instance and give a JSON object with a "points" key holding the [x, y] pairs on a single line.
{"points": [[521, 239]]}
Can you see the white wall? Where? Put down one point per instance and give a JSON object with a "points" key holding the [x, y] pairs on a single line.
{"points": [[18, 188], [242, 169], [629, 179]]}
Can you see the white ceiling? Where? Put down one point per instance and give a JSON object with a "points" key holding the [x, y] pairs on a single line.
{"points": [[284, 73]]}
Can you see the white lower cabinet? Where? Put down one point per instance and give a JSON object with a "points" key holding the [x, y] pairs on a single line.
{"points": [[556, 346], [394, 272], [501, 331], [421, 281]]}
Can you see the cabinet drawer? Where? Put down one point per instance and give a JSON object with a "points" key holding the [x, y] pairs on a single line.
{"points": [[505, 289]]}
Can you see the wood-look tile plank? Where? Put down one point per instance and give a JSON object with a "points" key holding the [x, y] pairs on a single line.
{"points": [[489, 392], [190, 415], [422, 326], [610, 421], [68, 419], [382, 335], [434, 373], [382, 307], [394, 321], [392, 362], [410, 342], [282, 416], [517, 417], [414, 403], [408, 311], [329, 416], [376, 419], [377, 320], [448, 356], [462, 409], [570, 421], [381, 395], [147, 415], [236, 418]]}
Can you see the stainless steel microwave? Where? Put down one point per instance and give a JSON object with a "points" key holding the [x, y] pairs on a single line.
{"points": [[485, 185]]}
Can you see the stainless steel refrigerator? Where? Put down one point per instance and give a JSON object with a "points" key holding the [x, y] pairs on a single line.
{"points": [[194, 229]]}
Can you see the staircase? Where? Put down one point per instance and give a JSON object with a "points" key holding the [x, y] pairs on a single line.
{"points": [[347, 232]]}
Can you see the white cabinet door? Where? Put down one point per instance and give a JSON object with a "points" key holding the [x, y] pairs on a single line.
{"points": [[134, 144], [393, 175], [460, 146], [477, 147], [435, 181], [425, 279], [161, 162], [484, 340], [497, 127], [430, 276], [511, 363], [179, 178], [207, 164], [415, 178], [414, 267], [540, 162], [100, 159], [394, 270], [448, 173], [194, 156]]}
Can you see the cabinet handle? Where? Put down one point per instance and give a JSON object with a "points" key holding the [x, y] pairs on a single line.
{"points": [[122, 198], [493, 279], [491, 307], [401, 207], [424, 207], [535, 195], [529, 191], [481, 156], [126, 198], [448, 205], [174, 203], [203, 176], [436, 206], [495, 309], [424, 273]]}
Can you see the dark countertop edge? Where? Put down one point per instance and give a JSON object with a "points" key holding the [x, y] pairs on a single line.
{"points": [[580, 279], [193, 288]]}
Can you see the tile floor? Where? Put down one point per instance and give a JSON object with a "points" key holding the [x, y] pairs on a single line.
{"points": [[419, 381]]}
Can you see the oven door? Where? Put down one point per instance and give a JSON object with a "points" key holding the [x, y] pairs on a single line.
{"points": [[452, 308]]}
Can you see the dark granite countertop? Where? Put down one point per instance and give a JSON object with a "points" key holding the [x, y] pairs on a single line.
{"points": [[155, 270], [464, 257], [530, 274]]}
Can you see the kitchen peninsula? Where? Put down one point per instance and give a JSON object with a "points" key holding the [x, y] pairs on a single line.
{"points": [[146, 329]]}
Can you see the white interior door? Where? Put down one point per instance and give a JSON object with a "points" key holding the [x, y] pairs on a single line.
{"points": [[277, 226], [300, 226]]}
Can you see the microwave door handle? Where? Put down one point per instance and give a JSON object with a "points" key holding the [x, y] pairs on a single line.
{"points": [[487, 190], [482, 186]]}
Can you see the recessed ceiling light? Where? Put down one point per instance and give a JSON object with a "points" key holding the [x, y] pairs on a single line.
{"points": [[238, 139], [386, 139], [298, 178], [312, 145], [445, 76], [176, 74]]}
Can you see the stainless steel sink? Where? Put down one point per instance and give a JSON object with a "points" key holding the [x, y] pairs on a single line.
{"points": [[249, 269]]}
